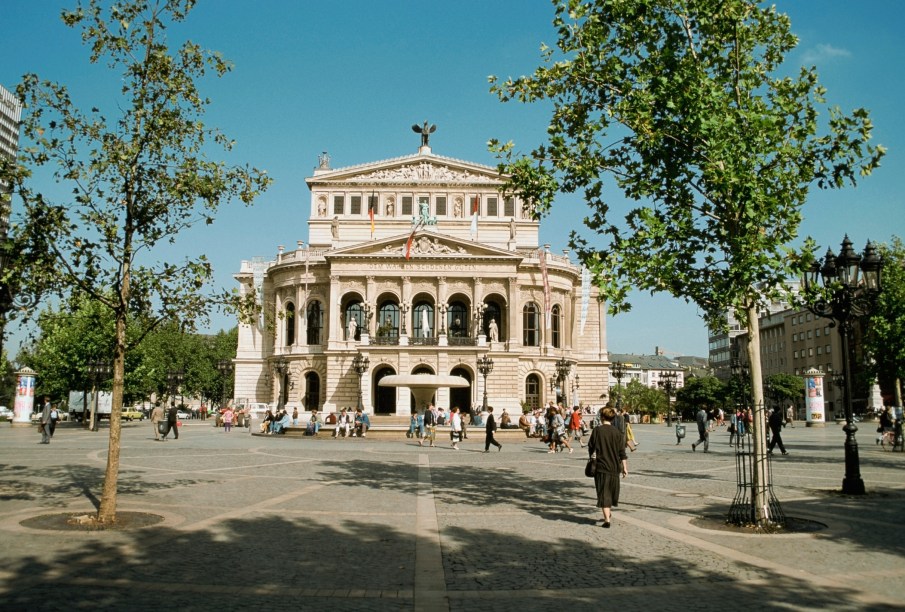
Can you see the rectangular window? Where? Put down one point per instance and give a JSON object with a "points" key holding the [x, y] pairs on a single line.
{"points": [[509, 207], [826, 330], [440, 204], [817, 333], [407, 205], [820, 350], [339, 205], [355, 208], [795, 355], [810, 352], [809, 334], [492, 207], [827, 349]]}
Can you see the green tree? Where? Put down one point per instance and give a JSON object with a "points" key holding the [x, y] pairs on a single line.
{"points": [[886, 329], [136, 179], [681, 104], [638, 397], [784, 388], [706, 391]]}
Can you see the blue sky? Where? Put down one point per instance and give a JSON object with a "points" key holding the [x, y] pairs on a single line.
{"points": [[351, 77]]}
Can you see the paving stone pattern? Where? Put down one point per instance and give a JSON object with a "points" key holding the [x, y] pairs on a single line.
{"points": [[271, 523]]}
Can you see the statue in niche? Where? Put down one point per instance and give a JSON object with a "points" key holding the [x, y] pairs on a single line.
{"points": [[512, 229], [322, 208], [457, 208], [334, 227], [391, 208], [494, 331], [353, 329]]}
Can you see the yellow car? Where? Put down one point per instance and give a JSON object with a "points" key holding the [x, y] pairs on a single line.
{"points": [[131, 414]]}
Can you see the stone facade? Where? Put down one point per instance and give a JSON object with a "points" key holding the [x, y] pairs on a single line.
{"points": [[419, 289]]}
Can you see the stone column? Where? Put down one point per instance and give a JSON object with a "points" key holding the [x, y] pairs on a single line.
{"points": [[334, 321]]}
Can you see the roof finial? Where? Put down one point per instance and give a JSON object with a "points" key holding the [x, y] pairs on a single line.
{"points": [[425, 130]]}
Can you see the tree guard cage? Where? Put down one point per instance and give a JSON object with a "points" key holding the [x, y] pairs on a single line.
{"points": [[742, 511]]}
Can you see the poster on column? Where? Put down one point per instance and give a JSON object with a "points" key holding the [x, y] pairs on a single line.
{"points": [[814, 399]]}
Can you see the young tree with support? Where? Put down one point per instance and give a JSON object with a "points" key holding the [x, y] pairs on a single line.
{"points": [[681, 104], [137, 178]]}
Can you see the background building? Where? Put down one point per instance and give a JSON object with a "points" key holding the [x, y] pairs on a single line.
{"points": [[420, 264]]}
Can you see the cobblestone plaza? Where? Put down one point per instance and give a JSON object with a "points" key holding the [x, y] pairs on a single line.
{"points": [[353, 524]]}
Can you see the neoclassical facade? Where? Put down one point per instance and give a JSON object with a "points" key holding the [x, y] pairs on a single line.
{"points": [[420, 265]]}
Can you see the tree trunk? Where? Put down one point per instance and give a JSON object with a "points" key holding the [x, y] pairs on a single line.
{"points": [[759, 483], [107, 512]]}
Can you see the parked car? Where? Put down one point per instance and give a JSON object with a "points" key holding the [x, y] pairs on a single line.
{"points": [[131, 414], [182, 414], [6, 413]]}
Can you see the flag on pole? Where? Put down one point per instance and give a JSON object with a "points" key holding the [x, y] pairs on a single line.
{"points": [[476, 205], [411, 240], [372, 204]]}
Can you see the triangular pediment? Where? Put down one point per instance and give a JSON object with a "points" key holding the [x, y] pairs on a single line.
{"points": [[424, 168], [425, 244]]}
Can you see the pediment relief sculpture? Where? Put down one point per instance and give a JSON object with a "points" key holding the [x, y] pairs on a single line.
{"points": [[425, 171], [425, 245]]}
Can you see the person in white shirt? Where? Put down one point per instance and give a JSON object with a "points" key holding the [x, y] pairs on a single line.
{"points": [[455, 422]]}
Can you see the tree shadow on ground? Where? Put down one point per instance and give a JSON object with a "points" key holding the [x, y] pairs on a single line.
{"points": [[273, 562]]}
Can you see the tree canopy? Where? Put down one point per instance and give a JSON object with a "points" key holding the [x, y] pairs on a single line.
{"points": [[683, 106], [137, 175]]}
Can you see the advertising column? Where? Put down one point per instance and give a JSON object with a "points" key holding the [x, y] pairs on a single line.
{"points": [[813, 398], [25, 396]]}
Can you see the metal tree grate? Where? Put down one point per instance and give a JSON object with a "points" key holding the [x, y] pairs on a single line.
{"points": [[742, 510]]}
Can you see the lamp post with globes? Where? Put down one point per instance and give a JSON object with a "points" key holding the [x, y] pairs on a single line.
{"points": [[98, 371], [667, 382], [619, 372], [485, 367], [850, 286], [563, 370], [360, 364], [280, 367]]}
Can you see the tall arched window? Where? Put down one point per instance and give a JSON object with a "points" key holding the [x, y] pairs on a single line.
{"points": [[532, 391], [290, 324], [556, 326], [423, 321], [312, 391], [388, 321], [531, 325], [315, 322], [457, 320]]}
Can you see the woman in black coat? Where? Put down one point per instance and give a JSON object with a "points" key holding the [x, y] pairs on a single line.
{"points": [[607, 444]]}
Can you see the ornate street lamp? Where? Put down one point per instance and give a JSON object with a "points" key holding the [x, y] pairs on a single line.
{"points": [[844, 297], [360, 364], [741, 373], [563, 369], [619, 372], [667, 382], [226, 367], [280, 367], [485, 367], [98, 371]]}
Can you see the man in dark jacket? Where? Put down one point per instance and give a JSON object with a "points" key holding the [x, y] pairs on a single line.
{"points": [[172, 419], [776, 421], [701, 418], [489, 428]]}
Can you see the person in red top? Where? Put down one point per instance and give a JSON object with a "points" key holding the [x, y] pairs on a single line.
{"points": [[575, 425]]}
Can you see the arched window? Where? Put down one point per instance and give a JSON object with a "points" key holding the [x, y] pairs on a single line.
{"points": [[457, 320], [388, 321], [312, 391], [556, 326], [290, 324], [423, 321], [531, 325], [315, 322], [532, 391]]}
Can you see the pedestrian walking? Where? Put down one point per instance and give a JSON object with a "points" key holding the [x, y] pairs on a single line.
{"points": [[576, 424], [703, 430], [489, 428], [430, 426], [47, 421], [455, 423], [156, 419], [733, 428], [790, 415], [607, 448], [775, 421], [228, 415], [172, 422]]}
